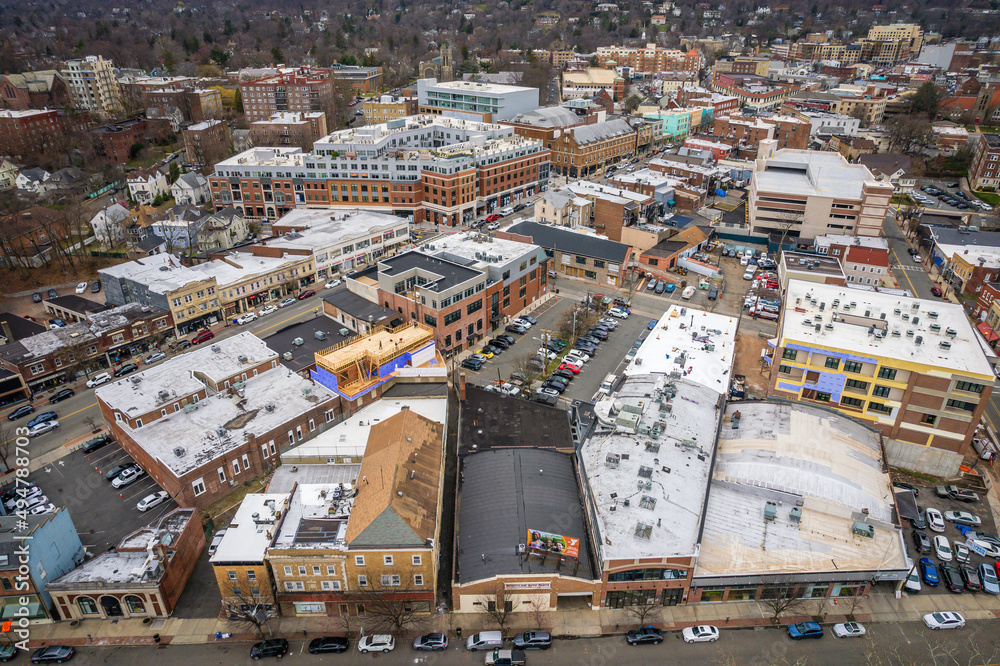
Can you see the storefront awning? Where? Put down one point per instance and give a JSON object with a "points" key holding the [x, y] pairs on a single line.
{"points": [[987, 332]]}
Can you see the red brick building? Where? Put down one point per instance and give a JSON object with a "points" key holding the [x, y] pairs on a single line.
{"points": [[788, 131], [206, 143], [25, 134], [113, 142], [302, 91], [45, 89], [196, 104]]}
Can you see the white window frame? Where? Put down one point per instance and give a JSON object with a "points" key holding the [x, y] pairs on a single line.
{"points": [[288, 571], [222, 474], [387, 560], [418, 580], [196, 484], [246, 462], [331, 585], [418, 560], [359, 560], [362, 580]]}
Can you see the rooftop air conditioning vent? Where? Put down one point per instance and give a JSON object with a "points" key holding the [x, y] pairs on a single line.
{"points": [[932, 315], [951, 333], [919, 340], [944, 344], [895, 333], [935, 328], [298, 342], [179, 451], [320, 335], [909, 333], [216, 348]]}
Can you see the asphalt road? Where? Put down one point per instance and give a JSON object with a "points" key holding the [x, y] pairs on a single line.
{"points": [[900, 644], [74, 412], [911, 276]]}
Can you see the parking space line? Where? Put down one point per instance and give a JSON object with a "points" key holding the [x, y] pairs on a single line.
{"points": [[147, 490]]}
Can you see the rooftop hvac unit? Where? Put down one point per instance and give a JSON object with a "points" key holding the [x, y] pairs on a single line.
{"points": [[932, 315], [916, 320], [288, 356], [951, 333], [935, 328], [863, 529], [298, 342], [919, 340], [909, 333], [795, 515], [320, 335], [945, 345], [770, 511]]}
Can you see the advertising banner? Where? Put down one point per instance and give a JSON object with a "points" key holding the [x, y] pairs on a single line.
{"points": [[555, 543]]}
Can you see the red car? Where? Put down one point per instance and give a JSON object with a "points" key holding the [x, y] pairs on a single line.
{"points": [[936, 291], [492, 218], [306, 294], [201, 337], [575, 369]]}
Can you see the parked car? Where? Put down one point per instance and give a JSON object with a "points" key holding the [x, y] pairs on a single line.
{"points": [[912, 582], [944, 620], [956, 493], [802, 630], [42, 428], [431, 642], [929, 572], [376, 643], [92, 445], [274, 647], [331, 284], [644, 635], [988, 577], [95, 287], [849, 629], [285, 302], [149, 501], [516, 328], [247, 318], [125, 369], [155, 356], [942, 549], [970, 577], [20, 412], [21, 493], [921, 542], [81, 288], [41, 418], [533, 640], [620, 313], [53, 293], [327, 644], [920, 522], [906, 486], [36, 297], [502, 657], [934, 520], [705, 633], [962, 518], [961, 551], [267, 309], [570, 367], [202, 337], [53, 654], [61, 395], [471, 363], [130, 475], [936, 291], [56, 322], [97, 380], [952, 578], [306, 294]]}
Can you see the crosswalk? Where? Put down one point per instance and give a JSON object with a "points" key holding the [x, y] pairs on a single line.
{"points": [[914, 268]]}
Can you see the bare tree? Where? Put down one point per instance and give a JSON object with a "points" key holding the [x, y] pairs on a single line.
{"points": [[537, 610], [523, 364], [932, 649], [496, 607], [389, 606], [249, 609], [644, 608], [779, 597], [8, 444]]}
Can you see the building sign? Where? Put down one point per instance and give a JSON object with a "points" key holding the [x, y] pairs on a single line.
{"points": [[539, 541], [527, 586]]}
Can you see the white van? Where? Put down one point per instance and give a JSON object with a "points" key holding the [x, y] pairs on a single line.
{"points": [[608, 382], [688, 293], [506, 211], [484, 640]]}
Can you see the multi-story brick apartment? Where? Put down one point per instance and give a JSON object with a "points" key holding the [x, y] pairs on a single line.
{"points": [[196, 104], [94, 86], [650, 59], [204, 422], [30, 234], [586, 83], [440, 170], [388, 107], [207, 142], [891, 44], [302, 91], [788, 131], [586, 149], [114, 142], [754, 92], [545, 123], [985, 168], [799, 193], [43, 89], [289, 129], [25, 134], [759, 65], [912, 368], [613, 208], [485, 102], [362, 80]]}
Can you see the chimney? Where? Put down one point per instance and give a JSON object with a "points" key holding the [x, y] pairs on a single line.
{"points": [[461, 386]]}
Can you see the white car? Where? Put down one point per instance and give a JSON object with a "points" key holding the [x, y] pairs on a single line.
{"points": [[989, 549], [701, 634], [934, 520], [149, 501], [247, 318], [42, 509], [942, 548], [575, 359], [944, 620], [522, 322], [23, 492], [331, 284], [618, 312], [97, 380], [267, 309], [609, 322], [913, 582], [917, 259], [848, 629], [376, 643], [82, 287], [42, 428], [962, 518], [128, 476], [548, 391], [29, 504], [961, 551]]}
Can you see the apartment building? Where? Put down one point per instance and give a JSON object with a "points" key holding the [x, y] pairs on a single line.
{"points": [[912, 368], [362, 80], [94, 86], [650, 59], [799, 193], [671, 125], [42, 89], [984, 170], [891, 44], [758, 65], [26, 134], [289, 129], [485, 102], [301, 91], [749, 131], [575, 253], [866, 103], [207, 142], [195, 104], [113, 142], [613, 209], [586, 149], [388, 107], [440, 170], [204, 422], [589, 82], [754, 92], [547, 122]]}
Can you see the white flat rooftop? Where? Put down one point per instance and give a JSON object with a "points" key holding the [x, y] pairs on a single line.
{"points": [[812, 173], [586, 188], [858, 311], [350, 437], [329, 227], [688, 334], [657, 431], [178, 377], [797, 455], [247, 540], [476, 87], [242, 266], [186, 440], [463, 246], [317, 517], [160, 273]]}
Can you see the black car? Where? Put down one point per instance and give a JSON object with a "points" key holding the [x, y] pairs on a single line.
{"points": [[275, 647], [93, 444], [96, 287], [497, 342], [53, 293], [36, 297], [533, 640], [565, 374], [600, 335], [586, 339], [558, 381], [493, 349], [899, 484], [555, 386], [921, 542], [952, 578], [543, 399], [53, 654], [509, 338], [519, 207], [920, 522], [644, 635], [21, 411], [327, 644], [125, 369], [586, 348], [516, 328], [61, 395], [970, 577], [530, 320], [113, 473], [472, 363]]}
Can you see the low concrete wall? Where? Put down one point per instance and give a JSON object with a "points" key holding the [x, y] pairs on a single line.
{"points": [[923, 459]]}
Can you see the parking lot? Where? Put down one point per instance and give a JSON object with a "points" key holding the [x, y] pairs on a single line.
{"points": [[943, 185], [927, 499], [102, 514], [610, 356]]}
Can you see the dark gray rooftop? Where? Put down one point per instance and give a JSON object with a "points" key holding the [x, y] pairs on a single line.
{"points": [[19, 326], [494, 421], [77, 304], [418, 390], [952, 236], [304, 355], [452, 273], [358, 307], [502, 496], [556, 238]]}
